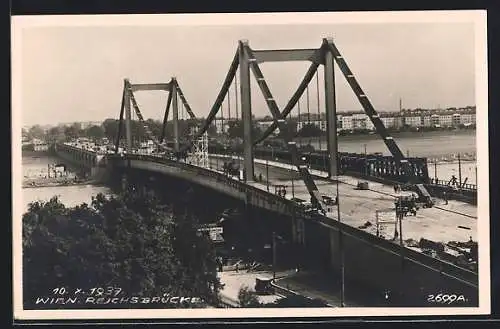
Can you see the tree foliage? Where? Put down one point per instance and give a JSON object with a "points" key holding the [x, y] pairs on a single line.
{"points": [[310, 130], [128, 241], [248, 298], [235, 129]]}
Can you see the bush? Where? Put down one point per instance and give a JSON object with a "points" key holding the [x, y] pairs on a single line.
{"points": [[248, 298]]}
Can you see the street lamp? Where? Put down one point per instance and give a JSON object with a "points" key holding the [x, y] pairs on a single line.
{"points": [[274, 255], [267, 167], [267, 174], [341, 245], [366, 162], [476, 175]]}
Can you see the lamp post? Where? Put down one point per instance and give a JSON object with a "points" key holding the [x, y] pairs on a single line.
{"points": [[274, 255], [459, 172], [341, 247], [476, 175], [267, 174], [435, 171], [366, 162]]}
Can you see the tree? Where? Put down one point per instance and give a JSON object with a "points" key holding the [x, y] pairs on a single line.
{"points": [[111, 128], [248, 298], [211, 130], [55, 134], [73, 131], [95, 132], [310, 130], [128, 241], [36, 132], [235, 129]]}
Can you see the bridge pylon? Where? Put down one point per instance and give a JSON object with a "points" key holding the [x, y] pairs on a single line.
{"points": [[128, 102]]}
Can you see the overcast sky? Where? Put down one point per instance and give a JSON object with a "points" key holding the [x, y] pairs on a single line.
{"points": [[76, 73]]}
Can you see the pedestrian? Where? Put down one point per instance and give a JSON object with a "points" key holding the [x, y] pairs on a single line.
{"points": [[219, 263], [236, 267]]}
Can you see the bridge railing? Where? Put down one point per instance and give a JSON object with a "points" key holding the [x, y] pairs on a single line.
{"points": [[444, 267], [444, 183]]}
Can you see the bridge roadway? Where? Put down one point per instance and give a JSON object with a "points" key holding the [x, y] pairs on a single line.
{"points": [[379, 263], [442, 223]]}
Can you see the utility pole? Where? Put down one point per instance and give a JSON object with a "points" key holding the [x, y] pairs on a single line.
{"points": [[274, 255], [341, 248], [366, 162], [459, 172], [476, 175], [267, 174], [435, 171], [293, 185]]}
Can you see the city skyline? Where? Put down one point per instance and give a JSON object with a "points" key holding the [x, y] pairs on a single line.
{"points": [[313, 114], [81, 68]]}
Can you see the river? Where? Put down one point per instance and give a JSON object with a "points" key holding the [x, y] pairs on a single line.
{"points": [[429, 145], [69, 195], [436, 144]]}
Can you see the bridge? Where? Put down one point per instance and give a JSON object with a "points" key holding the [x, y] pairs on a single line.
{"points": [[345, 190]]}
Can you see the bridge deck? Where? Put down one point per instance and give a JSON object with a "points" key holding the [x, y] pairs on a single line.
{"points": [[440, 223]]}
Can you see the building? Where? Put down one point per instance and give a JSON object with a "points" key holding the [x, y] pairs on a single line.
{"points": [[346, 122], [391, 120], [446, 119], [221, 126], [413, 121], [427, 120], [321, 124], [39, 145], [88, 124], [264, 125], [351, 120], [435, 120], [467, 118]]}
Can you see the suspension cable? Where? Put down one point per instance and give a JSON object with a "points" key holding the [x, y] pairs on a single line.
{"points": [[299, 120], [222, 118], [236, 93], [229, 105], [308, 112], [319, 111]]}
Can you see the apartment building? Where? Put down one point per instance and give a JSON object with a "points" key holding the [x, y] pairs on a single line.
{"points": [[321, 124], [395, 120]]}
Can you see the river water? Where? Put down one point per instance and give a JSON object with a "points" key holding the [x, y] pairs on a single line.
{"points": [[431, 146], [69, 195]]}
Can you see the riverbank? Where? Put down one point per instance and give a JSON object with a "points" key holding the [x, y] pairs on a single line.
{"points": [[397, 134], [56, 184], [46, 181], [35, 154]]}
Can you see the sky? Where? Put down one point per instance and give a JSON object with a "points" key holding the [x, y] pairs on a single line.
{"points": [[75, 73]]}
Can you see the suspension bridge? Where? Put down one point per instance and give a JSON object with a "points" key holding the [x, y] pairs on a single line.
{"points": [[331, 225]]}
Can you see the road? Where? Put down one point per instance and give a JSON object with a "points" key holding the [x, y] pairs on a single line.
{"points": [[456, 221]]}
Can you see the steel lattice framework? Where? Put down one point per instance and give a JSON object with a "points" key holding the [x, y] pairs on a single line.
{"points": [[247, 60]]}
